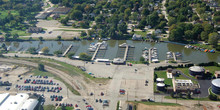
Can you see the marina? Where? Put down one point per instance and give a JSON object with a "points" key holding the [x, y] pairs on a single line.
{"points": [[114, 51]]}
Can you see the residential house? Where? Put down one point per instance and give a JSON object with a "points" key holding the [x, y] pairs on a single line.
{"points": [[217, 74], [35, 30], [2, 38], [136, 37]]}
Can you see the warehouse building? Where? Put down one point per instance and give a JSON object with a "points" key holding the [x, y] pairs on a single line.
{"points": [[21, 101], [196, 70], [216, 86]]}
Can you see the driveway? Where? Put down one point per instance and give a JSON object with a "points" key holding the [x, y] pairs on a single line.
{"points": [[204, 86]]}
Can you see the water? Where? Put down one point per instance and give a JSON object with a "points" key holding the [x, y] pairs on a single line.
{"points": [[113, 51]]}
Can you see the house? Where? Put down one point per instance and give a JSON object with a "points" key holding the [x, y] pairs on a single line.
{"points": [[35, 30], [217, 74], [2, 38], [42, 15], [136, 37], [56, 16]]}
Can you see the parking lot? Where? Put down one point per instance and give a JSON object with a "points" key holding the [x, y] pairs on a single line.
{"points": [[54, 91]]}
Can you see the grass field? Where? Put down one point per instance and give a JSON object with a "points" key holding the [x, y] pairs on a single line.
{"points": [[143, 34], [20, 32]]}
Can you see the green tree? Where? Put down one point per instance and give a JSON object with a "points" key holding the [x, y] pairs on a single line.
{"points": [[84, 57], [83, 33], [208, 28], [213, 39], [15, 36], [180, 95], [195, 18], [188, 34], [45, 50], [122, 28], [188, 95], [57, 53], [41, 67], [41, 38], [59, 38], [32, 50], [171, 21], [76, 15], [204, 36], [70, 55]]}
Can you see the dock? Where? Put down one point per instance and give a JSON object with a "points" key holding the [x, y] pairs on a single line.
{"points": [[149, 55], [67, 50], [126, 53], [174, 56], [96, 51]]}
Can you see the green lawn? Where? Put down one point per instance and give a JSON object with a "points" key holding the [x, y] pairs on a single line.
{"points": [[163, 74], [200, 99], [20, 32], [65, 108], [158, 103], [143, 34], [49, 18]]}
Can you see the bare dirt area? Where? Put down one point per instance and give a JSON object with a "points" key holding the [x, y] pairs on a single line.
{"points": [[70, 34], [159, 107]]}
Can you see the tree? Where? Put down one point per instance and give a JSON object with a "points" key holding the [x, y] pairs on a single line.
{"points": [[70, 55], [180, 95], [57, 53], [122, 28], [76, 15], [41, 38], [45, 50], [59, 38], [213, 39], [83, 33], [208, 28], [204, 36], [188, 95], [84, 57], [171, 21], [172, 94], [195, 18], [197, 29], [41, 67], [188, 34], [142, 59], [32, 50], [15, 36]]}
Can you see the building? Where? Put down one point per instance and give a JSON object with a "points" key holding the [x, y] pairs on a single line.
{"points": [[21, 101], [216, 86], [61, 10], [217, 74], [35, 30], [160, 86], [196, 70], [42, 15], [118, 61], [181, 85], [2, 38], [136, 37]]}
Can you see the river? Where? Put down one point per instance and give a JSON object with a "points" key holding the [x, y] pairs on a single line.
{"points": [[113, 51]]}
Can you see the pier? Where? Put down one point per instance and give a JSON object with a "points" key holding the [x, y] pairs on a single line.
{"points": [[174, 56], [126, 53], [67, 50], [149, 55], [96, 51]]}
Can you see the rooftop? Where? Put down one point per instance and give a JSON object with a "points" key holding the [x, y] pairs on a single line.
{"points": [[197, 69], [216, 82]]}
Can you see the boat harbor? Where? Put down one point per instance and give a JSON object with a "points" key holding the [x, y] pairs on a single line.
{"points": [[150, 55], [116, 49]]}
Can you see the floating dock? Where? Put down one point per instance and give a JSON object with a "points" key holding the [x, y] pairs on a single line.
{"points": [[174, 56], [67, 50], [96, 51]]}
